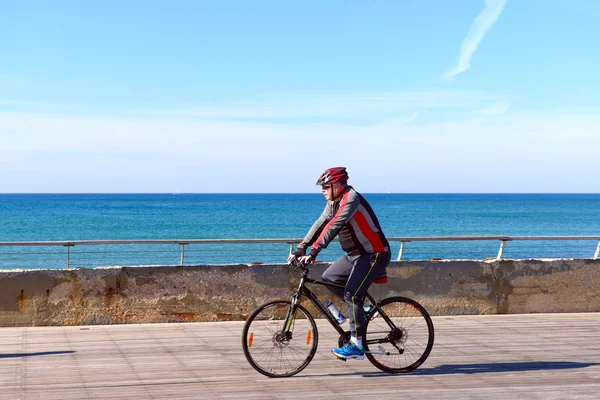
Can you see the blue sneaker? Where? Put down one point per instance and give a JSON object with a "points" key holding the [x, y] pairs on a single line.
{"points": [[349, 351]]}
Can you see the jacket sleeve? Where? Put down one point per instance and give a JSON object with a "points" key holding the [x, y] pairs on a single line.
{"points": [[348, 206], [316, 229]]}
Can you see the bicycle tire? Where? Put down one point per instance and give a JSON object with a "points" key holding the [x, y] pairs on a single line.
{"points": [[405, 348], [269, 350]]}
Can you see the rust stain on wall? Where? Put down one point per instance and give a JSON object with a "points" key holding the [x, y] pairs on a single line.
{"points": [[108, 297], [188, 317], [229, 317], [21, 300], [76, 294]]}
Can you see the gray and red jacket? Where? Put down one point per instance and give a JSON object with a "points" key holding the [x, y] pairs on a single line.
{"points": [[353, 220]]}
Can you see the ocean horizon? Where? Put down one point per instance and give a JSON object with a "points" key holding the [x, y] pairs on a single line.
{"points": [[243, 193], [129, 216]]}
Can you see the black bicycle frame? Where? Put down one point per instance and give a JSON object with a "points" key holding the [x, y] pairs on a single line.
{"points": [[303, 290]]}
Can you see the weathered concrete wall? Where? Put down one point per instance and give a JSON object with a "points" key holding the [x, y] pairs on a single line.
{"points": [[210, 293]]}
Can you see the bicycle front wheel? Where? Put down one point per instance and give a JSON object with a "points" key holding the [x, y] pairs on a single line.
{"points": [[402, 342], [272, 349]]}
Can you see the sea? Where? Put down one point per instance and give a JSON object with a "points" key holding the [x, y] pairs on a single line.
{"points": [[181, 216]]}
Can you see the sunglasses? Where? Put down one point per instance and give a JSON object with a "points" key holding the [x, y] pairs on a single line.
{"points": [[325, 187]]}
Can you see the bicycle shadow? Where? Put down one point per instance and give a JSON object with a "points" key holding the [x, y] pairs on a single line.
{"points": [[469, 369], [520, 366], [42, 353]]}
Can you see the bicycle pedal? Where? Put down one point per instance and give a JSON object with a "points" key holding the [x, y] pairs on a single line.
{"points": [[341, 358]]}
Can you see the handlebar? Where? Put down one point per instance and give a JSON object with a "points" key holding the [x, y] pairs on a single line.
{"points": [[295, 262]]}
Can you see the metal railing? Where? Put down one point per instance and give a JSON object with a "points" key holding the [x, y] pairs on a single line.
{"points": [[225, 245], [503, 240]]}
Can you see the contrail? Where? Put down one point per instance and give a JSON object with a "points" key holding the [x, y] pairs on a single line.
{"points": [[480, 26]]}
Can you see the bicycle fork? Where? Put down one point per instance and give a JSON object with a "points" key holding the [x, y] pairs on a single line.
{"points": [[289, 318]]}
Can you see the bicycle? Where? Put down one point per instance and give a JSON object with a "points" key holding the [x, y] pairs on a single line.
{"points": [[280, 337]]}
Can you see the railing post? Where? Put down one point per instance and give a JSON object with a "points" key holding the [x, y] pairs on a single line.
{"points": [[68, 246], [502, 244], [182, 253], [597, 251], [401, 251], [291, 248]]}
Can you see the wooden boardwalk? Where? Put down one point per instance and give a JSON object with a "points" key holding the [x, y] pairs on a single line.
{"points": [[542, 356]]}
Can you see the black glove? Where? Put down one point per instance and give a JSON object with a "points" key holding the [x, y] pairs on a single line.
{"points": [[313, 253], [301, 251]]}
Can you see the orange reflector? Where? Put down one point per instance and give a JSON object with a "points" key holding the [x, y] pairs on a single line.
{"points": [[251, 339], [308, 335]]}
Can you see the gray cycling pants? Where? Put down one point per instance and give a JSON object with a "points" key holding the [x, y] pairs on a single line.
{"points": [[357, 273]]}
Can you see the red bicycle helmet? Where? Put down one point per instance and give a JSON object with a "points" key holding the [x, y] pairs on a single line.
{"points": [[333, 175]]}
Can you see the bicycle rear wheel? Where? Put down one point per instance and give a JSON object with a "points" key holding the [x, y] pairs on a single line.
{"points": [[404, 346], [274, 351]]}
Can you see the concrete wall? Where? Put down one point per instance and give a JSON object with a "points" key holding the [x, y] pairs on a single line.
{"points": [[211, 293]]}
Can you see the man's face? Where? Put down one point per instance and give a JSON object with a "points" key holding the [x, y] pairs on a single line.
{"points": [[327, 191]]}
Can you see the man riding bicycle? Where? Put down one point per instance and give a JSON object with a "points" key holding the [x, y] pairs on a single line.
{"points": [[349, 216]]}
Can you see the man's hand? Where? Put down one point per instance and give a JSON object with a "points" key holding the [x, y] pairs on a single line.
{"points": [[306, 259], [298, 254], [303, 259]]}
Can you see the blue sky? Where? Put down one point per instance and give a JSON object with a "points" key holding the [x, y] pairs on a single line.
{"points": [[235, 96]]}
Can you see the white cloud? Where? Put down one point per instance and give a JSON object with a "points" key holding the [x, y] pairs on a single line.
{"points": [[482, 152], [483, 22], [333, 105]]}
